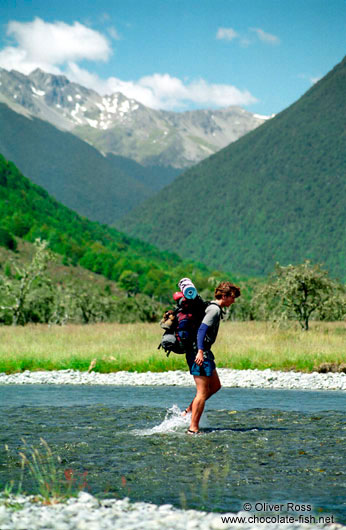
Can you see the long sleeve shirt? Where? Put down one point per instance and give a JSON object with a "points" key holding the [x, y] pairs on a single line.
{"points": [[208, 330]]}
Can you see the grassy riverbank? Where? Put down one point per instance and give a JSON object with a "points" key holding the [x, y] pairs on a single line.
{"points": [[133, 347]]}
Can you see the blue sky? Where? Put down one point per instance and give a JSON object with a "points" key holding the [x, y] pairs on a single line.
{"points": [[180, 54]]}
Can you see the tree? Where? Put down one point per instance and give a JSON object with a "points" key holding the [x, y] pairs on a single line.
{"points": [[62, 305], [17, 289], [296, 291], [244, 309], [129, 281], [90, 305], [335, 307]]}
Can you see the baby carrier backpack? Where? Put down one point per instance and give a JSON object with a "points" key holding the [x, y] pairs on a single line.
{"points": [[181, 324]]}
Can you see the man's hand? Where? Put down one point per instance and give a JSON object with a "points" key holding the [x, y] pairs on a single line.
{"points": [[199, 358]]}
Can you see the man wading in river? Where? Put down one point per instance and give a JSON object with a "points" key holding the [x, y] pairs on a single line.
{"points": [[202, 366]]}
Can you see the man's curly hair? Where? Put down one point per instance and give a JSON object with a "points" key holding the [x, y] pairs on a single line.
{"points": [[226, 288]]}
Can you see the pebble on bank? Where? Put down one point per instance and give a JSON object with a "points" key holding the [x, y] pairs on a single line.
{"points": [[229, 378], [87, 512]]}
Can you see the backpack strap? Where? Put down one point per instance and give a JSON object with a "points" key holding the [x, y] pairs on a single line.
{"points": [[222, 313]]}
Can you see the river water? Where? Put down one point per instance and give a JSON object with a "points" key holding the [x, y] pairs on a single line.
{"points": [[258, 445]]}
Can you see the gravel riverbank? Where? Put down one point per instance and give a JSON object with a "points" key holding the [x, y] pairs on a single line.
{"points": [[229, 378], [88, 513]]}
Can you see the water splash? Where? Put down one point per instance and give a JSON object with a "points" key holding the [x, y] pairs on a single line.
{"points": [[174, 422]]}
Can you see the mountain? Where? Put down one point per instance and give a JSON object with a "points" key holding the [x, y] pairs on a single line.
{"points": [[122, 126], [99, 187], [27, 211], [277, 194]]}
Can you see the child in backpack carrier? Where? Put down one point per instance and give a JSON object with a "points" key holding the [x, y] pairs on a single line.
{"points": [[181, 324]]}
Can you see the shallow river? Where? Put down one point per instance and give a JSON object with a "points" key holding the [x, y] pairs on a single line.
{"points": [[257, 445]]}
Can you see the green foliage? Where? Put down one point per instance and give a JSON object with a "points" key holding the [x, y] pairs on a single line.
{"points": [[139, 308], [129, 282], [30, 295], [298, 292], [16, 292], [335, 307], [8, 270], [276, 194], [7, 240], [28, 211], [244, 308], [21, 224], [148, 275]]}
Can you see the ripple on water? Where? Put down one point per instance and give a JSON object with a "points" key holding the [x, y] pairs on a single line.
{"points": [[143, 453]]}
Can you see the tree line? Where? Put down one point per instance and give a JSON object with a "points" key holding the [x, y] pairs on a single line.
{"points": [[294, 292]]}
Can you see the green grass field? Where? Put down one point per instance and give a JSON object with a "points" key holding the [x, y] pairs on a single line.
{"points": [[133, 347]]}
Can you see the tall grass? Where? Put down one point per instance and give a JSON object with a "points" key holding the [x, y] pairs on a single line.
{"points": [[133, 347], [261, 345], [50, 481]]}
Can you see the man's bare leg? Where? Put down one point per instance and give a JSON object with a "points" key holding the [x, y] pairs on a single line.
{"points": [[206, 387], [214, 386]]}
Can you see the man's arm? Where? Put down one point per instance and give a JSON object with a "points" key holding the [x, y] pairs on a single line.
{"points": [[211, 313], [201, 333]]}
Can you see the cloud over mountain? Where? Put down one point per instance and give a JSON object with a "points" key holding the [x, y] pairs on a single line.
{"points": [[58, 48]]}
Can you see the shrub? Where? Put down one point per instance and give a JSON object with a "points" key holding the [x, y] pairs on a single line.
{"points": [[7, 240]]}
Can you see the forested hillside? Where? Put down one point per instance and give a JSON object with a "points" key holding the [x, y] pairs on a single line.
{"points": [[29, 212], [99, 187], [277, 194]]}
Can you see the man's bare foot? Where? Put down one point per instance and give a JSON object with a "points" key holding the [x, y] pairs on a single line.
{"points": [[190, 431], [186, 412]]}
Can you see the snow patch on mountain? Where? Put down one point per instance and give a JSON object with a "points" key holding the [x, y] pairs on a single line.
{"points": [[262, 117], [126, 127], [37, 92]]}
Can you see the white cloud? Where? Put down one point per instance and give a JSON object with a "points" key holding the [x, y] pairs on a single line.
{"points": [[58, 47], [226, 34], [245, 42], [113, 33], [307, 77], [266, 37], [222, 95], [110, 85], [47, 45], [162, 91], [16, 59], [245, 39]]}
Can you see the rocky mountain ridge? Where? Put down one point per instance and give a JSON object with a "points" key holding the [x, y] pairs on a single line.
{"points": [[122, 126]]}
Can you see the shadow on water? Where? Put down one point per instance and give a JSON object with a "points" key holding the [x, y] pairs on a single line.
{"points": [[259, 429], [143, 452]]}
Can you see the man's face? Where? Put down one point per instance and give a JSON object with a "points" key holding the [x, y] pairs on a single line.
{"points": [[228, 299]]}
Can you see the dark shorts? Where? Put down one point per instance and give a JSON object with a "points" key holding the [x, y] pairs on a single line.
{"points": [[206, 369]]}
